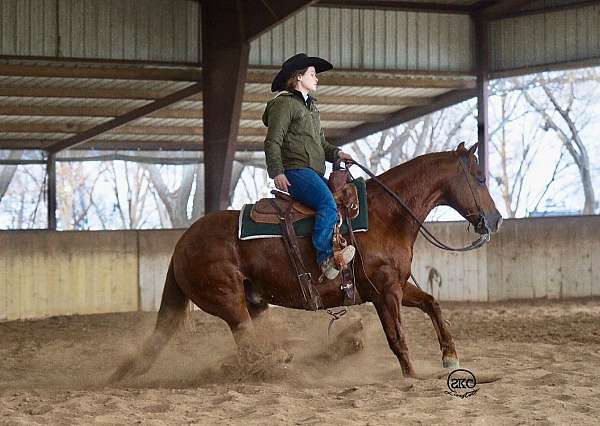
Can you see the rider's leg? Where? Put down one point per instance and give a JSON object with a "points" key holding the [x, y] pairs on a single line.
{"points": [[310, 189]]}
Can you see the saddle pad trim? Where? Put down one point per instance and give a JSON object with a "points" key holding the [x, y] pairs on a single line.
{"points": [[360, 224]]}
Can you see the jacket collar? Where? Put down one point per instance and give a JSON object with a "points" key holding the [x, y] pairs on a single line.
{"points": [[298, 94]]}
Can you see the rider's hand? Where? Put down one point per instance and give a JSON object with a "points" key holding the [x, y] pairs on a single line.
{"points": [[282, 183], [347, 158]]}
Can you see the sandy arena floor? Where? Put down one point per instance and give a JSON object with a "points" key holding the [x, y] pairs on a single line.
{"points": [[545, 354]]}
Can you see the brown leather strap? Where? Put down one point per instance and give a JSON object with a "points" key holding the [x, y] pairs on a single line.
{"points": [[312, 299], [351, 295]]}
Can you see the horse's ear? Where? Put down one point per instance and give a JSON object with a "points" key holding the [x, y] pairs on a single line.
{"points": [[472, 149], [461, 147]]}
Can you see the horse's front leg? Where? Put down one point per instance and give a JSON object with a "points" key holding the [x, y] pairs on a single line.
{"points": [[388, 308], [415, 297]]}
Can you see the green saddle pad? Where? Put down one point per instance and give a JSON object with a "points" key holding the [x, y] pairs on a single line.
{"points": [[248, 229]]}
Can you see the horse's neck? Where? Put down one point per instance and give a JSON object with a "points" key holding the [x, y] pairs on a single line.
{"points": [[419, 184]]}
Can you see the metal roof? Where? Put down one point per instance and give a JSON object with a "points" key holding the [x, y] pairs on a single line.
{"points": [[392, 57], [54, 108]]}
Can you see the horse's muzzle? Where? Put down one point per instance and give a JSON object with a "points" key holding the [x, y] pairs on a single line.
{"points": [[483, 226]]}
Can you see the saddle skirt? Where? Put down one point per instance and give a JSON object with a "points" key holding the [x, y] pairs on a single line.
{"points": [[264, 211]]}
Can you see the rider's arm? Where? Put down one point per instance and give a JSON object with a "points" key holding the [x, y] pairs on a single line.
{"points": [[279, 119]]}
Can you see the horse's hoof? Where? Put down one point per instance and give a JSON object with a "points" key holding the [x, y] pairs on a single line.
{"points": [[451, 363]]}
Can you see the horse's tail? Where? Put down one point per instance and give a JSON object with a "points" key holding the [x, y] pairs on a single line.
{"points": [[170, 316]]}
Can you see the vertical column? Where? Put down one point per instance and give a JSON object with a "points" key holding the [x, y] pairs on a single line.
{"points": [[228, 27], [224, 64], [482, 61], [51, 190]]}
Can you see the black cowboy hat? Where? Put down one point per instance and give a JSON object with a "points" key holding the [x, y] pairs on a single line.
{"points": [[295, 63]]}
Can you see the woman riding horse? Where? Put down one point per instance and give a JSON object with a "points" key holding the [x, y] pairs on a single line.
{"points": [[237, 280], [296, 150]]}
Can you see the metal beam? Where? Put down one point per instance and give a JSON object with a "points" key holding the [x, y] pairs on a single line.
{"points": [[125, 118], [407, 114], [90, 111], [225, 52], [51, 191], [37, 60], [556, 66], [546, 9], [499, 9], [162, 158], [137, 94], [260, 17], [85, 71], [108, 112], [372, 100], [84, 133], [124, 145], [228, 26], [482, 61], [256, 75], [430, 7], [80, 92], [364, 78]]}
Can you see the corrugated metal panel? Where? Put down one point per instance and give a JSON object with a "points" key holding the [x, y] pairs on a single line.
{"points": [[558, 37], [371, 39], [28, 27], [152, 30]]}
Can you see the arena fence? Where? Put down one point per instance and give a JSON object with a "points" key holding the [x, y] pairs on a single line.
{"points": [[45, 273]]}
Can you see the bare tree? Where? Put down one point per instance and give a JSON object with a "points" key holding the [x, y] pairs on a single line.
{"points": [[175, 201], [557, 102], [515, 159], [22, 204], [75, 186], [7, 172], [434, 132]]}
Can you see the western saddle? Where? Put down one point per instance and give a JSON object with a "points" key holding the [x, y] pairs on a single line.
{"points": [[284, 210]]}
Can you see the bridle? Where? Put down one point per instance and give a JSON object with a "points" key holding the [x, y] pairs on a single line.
{"points": [[484, 238], [483, 223]]}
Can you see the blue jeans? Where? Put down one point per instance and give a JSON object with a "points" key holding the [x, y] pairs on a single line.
{"points": [[311, 189]]}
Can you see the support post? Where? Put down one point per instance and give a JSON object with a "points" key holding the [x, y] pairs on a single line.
{"points": [[482, 61], [228, 27], [51, 191], [224, 65]]}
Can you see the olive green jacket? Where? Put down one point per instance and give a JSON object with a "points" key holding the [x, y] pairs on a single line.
{"points": [[295, 139]]}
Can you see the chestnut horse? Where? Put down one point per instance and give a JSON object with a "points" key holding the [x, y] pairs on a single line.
{"points": [[236, 280]]}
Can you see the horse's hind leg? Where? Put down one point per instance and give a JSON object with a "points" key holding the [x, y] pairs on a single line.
{"points": [[415, 297], [225, 298]]}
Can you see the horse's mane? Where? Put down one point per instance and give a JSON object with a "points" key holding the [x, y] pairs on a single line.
{"points": [[417, 162]]}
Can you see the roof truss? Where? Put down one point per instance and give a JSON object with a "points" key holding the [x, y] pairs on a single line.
{"points": [[53, 101]]}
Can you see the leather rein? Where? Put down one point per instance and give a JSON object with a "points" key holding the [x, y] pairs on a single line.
{"points": [[484, 238]]}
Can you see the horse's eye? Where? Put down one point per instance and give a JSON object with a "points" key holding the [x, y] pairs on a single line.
{"points": [[481, 179]]}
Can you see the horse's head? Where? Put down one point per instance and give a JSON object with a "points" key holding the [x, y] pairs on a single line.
{"points": [[468, 193]]}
